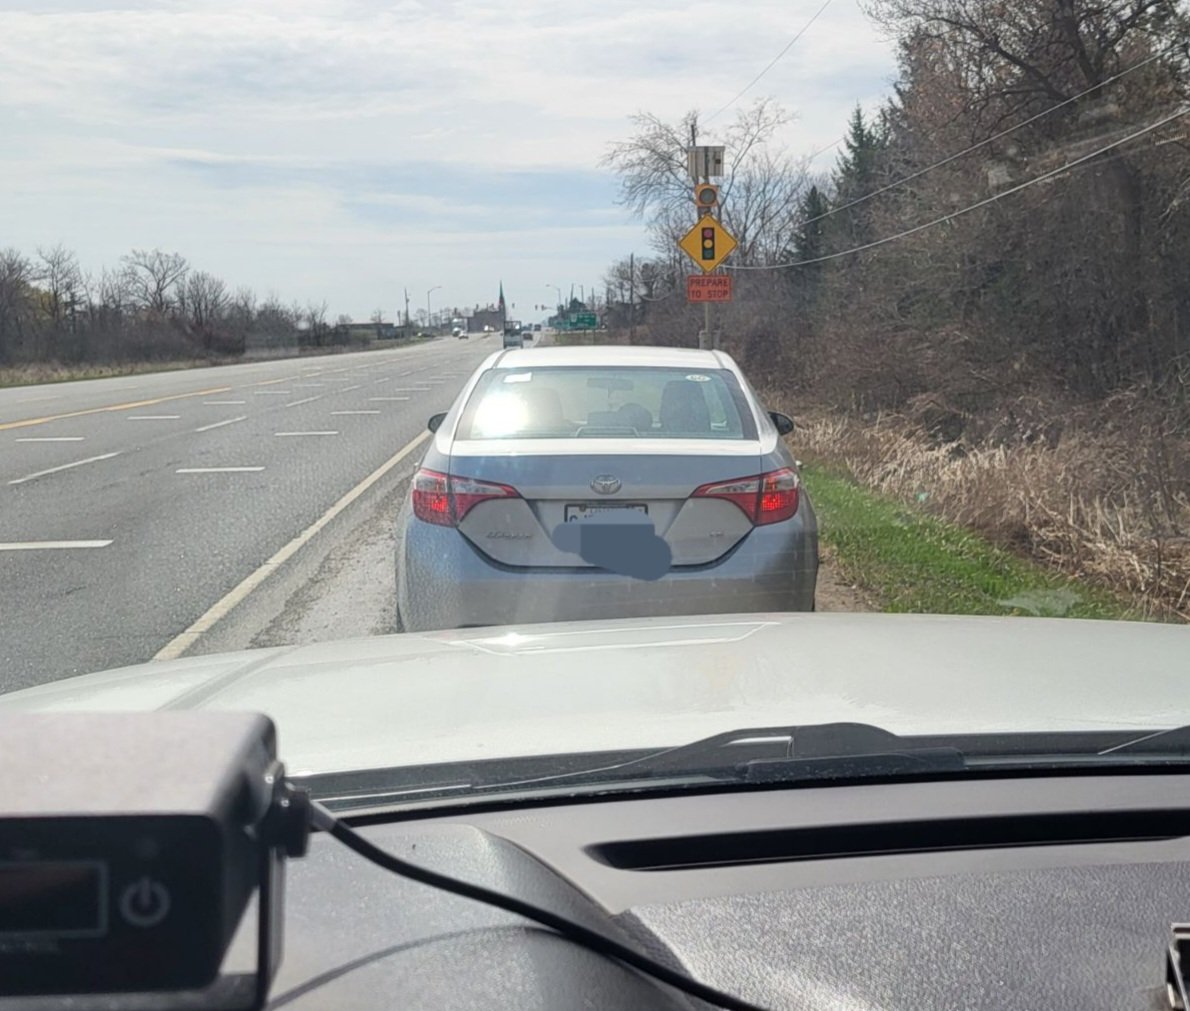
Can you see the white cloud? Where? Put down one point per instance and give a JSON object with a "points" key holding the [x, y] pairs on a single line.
{"points": [[110, 112]]}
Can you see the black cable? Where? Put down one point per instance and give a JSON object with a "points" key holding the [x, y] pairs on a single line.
{"points": [[590, 939]]}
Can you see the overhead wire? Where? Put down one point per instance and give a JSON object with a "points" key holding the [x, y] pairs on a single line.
{"points": [[976, 206], [773, 62], [983, 143]]}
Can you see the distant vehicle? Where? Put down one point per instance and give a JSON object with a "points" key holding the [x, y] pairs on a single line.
{"points": [[458, 331], [488, 328], [537, 326], [513, 339]]}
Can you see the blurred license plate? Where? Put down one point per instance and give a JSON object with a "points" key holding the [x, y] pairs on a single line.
{"points": [[587, 511]]}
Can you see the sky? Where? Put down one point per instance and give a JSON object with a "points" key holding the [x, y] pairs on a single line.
{"points": [[350, 150]]}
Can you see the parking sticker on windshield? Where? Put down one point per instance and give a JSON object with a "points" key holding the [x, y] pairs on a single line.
{"points": [[699, 379], [519, 377]]}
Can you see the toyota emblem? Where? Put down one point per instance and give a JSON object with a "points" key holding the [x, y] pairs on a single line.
{"points": [[606, 484]]}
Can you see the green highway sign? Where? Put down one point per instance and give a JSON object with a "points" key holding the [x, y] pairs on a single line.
{"points": [[584, 320]]}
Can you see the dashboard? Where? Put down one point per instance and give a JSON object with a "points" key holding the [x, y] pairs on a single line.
{"points": [[1053, 892]]}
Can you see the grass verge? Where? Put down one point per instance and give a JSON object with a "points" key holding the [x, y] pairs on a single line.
{"points": [[50, 372], [913, 562], [37, 375]]}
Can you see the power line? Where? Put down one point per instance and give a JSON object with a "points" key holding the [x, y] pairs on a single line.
{"points": [[982, 203], [983, 143], [773, 62]]}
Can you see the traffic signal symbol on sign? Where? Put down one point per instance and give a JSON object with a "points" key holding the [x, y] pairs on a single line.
{"points": [[708, 244]]}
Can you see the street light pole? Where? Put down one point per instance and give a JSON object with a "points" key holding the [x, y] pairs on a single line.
{"points": [[430, 318]]}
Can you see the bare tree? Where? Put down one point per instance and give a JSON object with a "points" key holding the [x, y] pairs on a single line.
{"points": [[60, 277], [758, 192], [155, 279], [206, 298], [16, 278]]}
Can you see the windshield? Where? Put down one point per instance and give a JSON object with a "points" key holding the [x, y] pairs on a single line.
{"points": [[491, 421], [607, 402]]}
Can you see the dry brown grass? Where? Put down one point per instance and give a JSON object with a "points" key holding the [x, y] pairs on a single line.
{"points": [[1093, 502], [51, 372]]}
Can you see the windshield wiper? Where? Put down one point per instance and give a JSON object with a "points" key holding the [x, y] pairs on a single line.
{"points": [[775, 754]]}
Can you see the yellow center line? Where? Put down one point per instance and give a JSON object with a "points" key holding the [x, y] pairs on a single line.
{"points": [[28, 422]]}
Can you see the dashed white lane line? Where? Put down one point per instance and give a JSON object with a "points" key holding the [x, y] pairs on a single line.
{"points": [[218, 470], [50, 545], [51, 438], [272, 393], [288, 435], [223, 403], [382, 399], [152, 417], [355, 412], [222, 607], [308, 400], [348, 389], [65, 466], [220, 424], [308, 385]]}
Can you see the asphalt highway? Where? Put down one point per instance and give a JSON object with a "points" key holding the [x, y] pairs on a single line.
{"points": [[132, 507]]}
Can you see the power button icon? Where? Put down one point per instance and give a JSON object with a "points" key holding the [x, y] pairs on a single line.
{"points": [[144, 903]]}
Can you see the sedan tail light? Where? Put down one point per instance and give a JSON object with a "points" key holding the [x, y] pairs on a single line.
{"points": [[764, 498], [445, 499]]}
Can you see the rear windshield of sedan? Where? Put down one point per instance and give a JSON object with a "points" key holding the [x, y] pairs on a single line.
{"points": [[607, 403]]}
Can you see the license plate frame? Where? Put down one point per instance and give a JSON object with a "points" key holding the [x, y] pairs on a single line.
{"points": [[585, 511]]}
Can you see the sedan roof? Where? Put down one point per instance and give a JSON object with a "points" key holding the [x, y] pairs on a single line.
{"points": [[540, 358]]}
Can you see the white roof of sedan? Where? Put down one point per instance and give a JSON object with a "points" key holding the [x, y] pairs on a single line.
{"points": [[608, 354]]}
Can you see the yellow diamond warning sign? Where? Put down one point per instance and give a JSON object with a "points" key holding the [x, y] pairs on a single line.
{"points": [[708, 243]]}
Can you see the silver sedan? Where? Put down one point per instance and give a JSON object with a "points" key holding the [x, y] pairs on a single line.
{"points": [[602, 482]]}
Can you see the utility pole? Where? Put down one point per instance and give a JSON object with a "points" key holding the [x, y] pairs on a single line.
{"points": [[406, 310], [631, 298], [705, 339]]}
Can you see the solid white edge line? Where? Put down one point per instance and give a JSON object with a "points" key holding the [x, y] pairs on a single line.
{"points": [[49, 545], [65, 466], [220, 424], [222, 607]]}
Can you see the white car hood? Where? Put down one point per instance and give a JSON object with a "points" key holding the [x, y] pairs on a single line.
{"points": [[592, 686]]}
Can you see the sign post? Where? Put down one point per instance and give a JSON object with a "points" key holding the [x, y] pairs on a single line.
{"points": [[708, 243]]}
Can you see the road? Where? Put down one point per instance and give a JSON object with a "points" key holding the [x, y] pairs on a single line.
{"points": [[131, 507]]}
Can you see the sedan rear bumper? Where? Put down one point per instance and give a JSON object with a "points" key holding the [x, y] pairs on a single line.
{"points": [[445, 582]]}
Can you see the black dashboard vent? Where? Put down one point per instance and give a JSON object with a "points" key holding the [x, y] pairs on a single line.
{"points": [[884, 838]]}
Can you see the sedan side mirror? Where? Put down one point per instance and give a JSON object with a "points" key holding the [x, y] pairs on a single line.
{"points": [[436, 420], [783, 422]]}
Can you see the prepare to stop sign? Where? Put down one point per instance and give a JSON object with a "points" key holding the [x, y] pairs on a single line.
{"points": [[708, 288]]}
